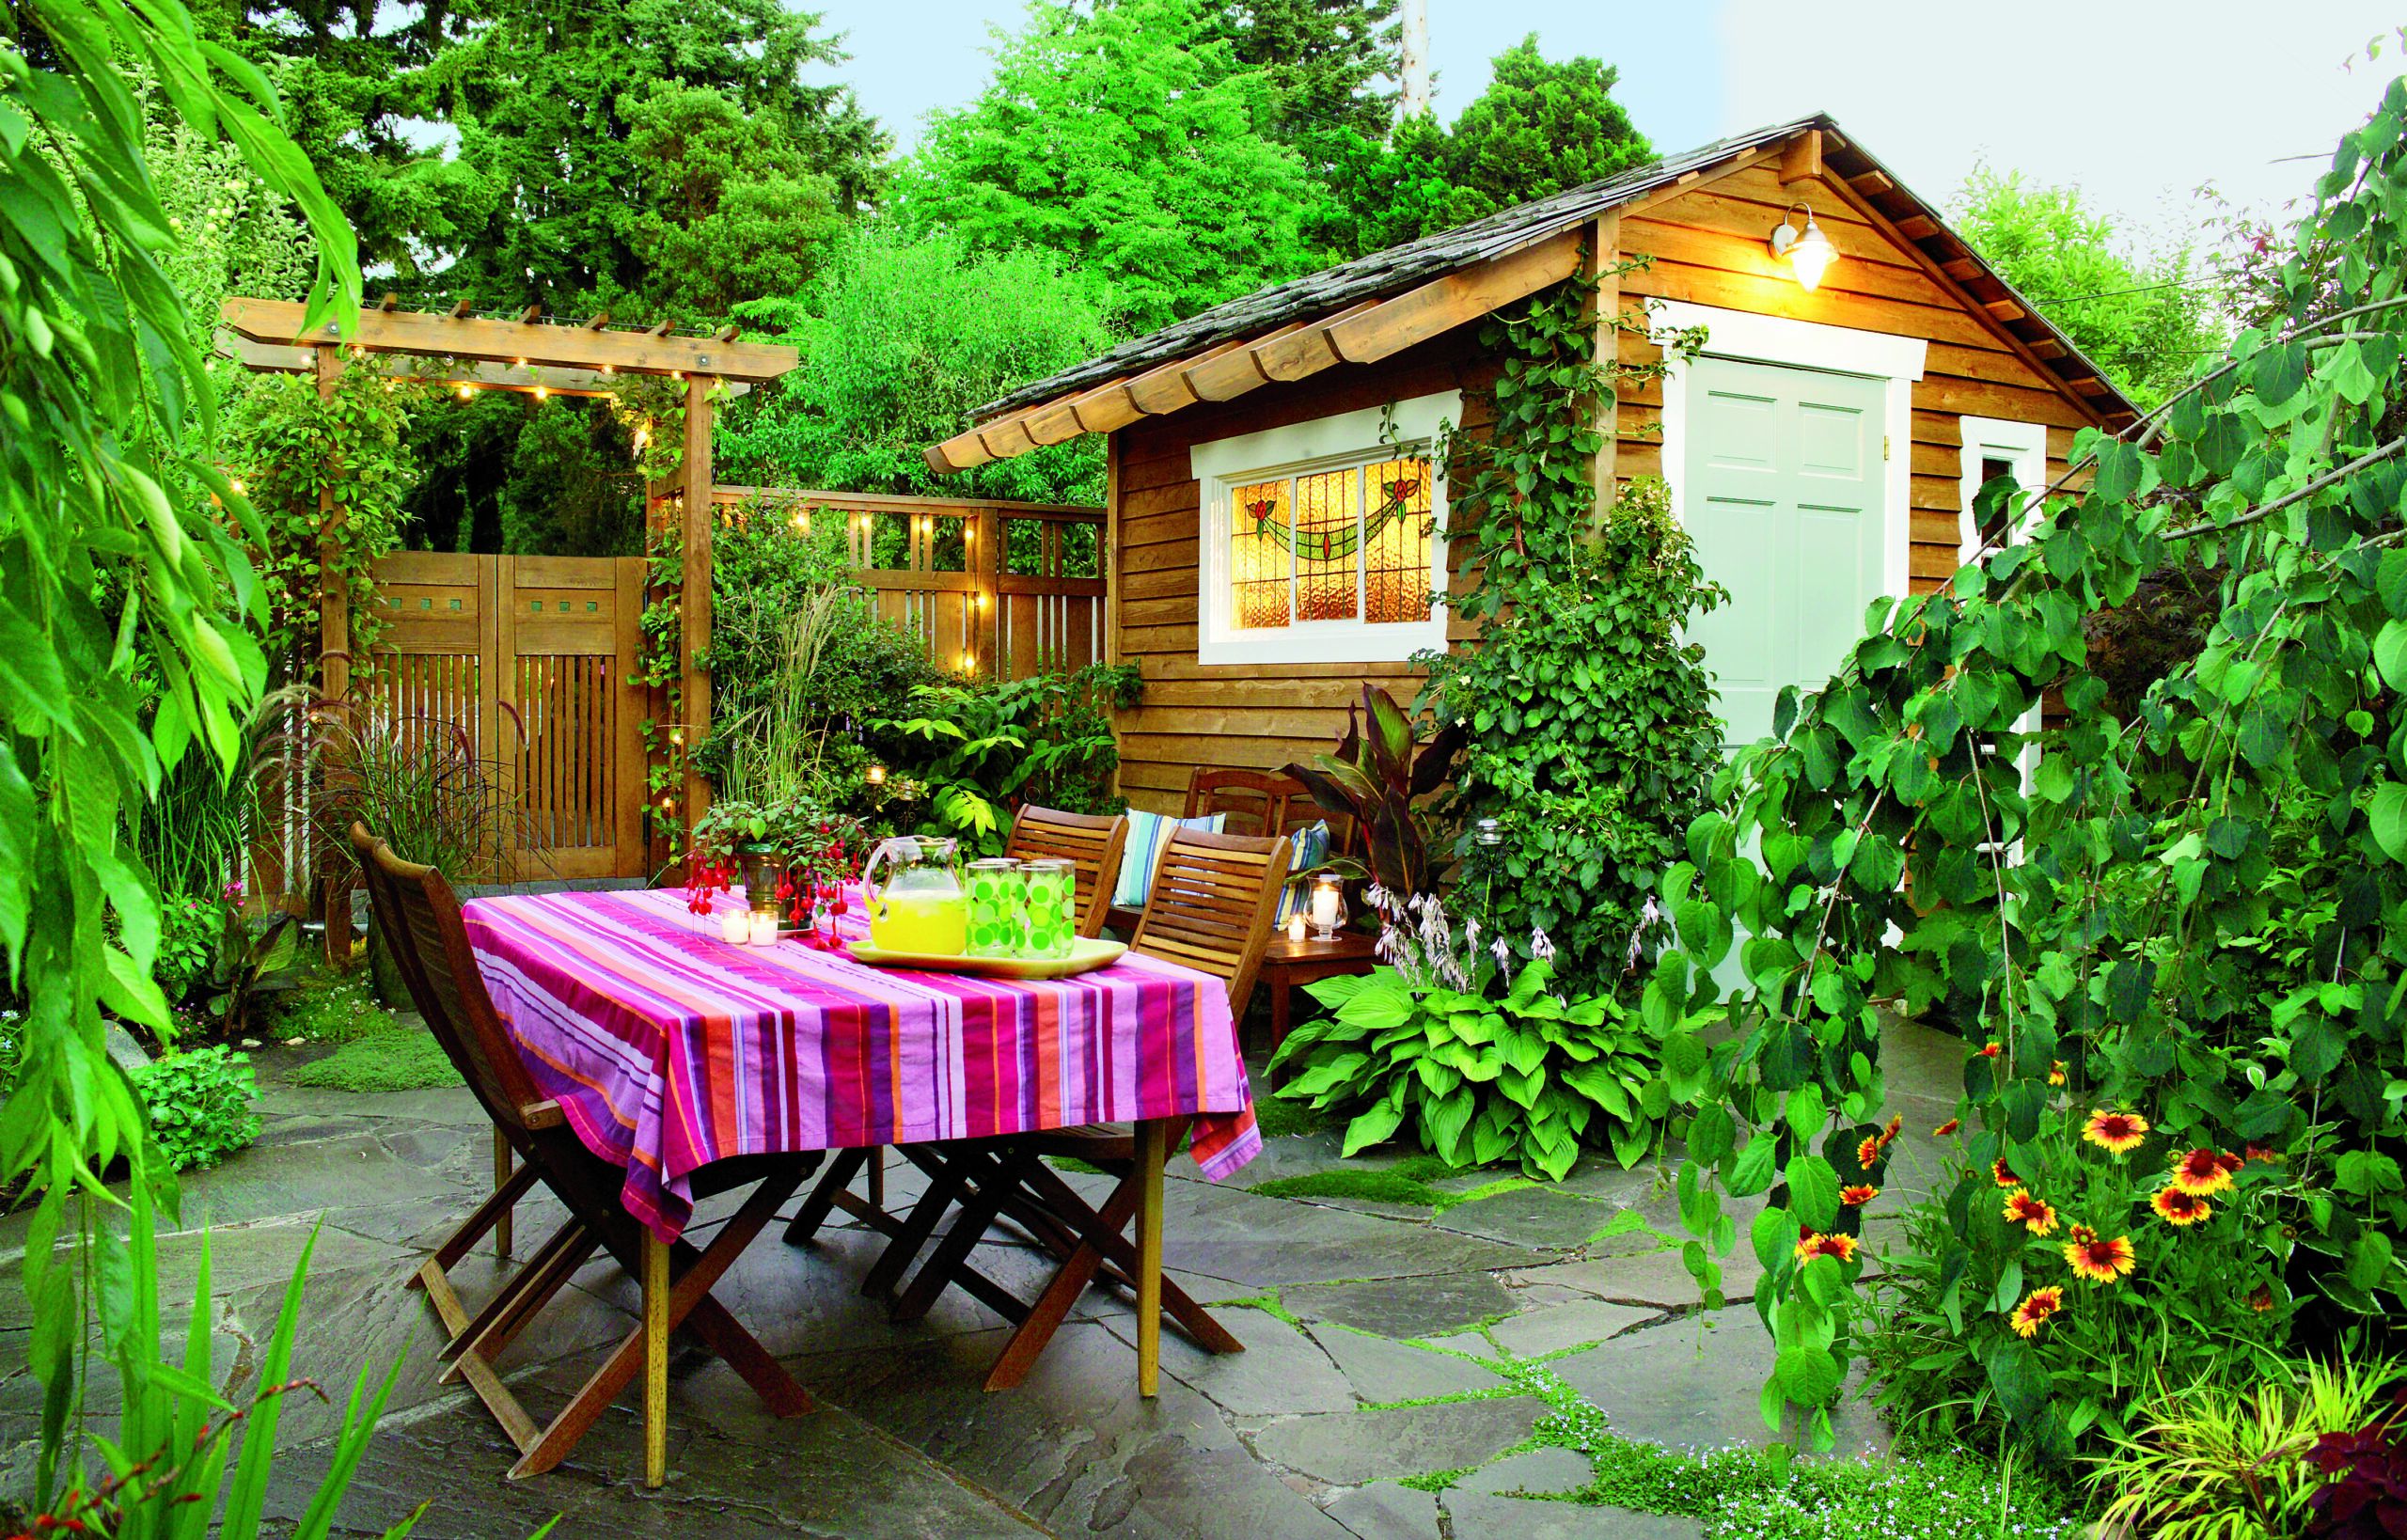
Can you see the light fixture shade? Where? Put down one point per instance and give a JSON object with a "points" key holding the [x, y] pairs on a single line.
{"points": [[1810, 253]]}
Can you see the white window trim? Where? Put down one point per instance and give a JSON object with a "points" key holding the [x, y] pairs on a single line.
{"points": [[1224, 464], [1752, 339], [2024, 446]]}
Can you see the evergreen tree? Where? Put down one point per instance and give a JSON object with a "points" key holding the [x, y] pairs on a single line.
{"points": [[1332, 68], [1130, 141], [649, 156], [1538, 129]]}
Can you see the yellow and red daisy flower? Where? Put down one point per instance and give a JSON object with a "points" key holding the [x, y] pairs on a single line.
{"points": [[1890, 1130], [2030, 1315], [2176, 1207], [2230, 1162], [1947, 1128], [1990, 1050], [1868, 1151], [1859, 1195], [2260, 1299], [2080, 1235], [2034, 1214], [2116, 1132], [2002, 1174], [2100, 1260], [1814, 1244], [2200, 1172], [2056, 1072], [2265, 1152]]}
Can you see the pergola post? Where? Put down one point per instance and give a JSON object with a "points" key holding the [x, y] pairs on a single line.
{"points": [[695, 611], [333, 594]]}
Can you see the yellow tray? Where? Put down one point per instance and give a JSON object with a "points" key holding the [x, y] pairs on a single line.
{"points": [[1086, 955]]}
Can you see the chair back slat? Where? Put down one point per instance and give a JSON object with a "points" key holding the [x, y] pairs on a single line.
{"points": [[1211, 904], [420, 917], [1091, 842], [1252, 802]]}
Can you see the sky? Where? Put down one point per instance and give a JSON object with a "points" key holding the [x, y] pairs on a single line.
{"points": [[2137, 101]]}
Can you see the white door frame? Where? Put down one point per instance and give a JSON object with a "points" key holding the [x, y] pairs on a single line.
{"points": [[1752, 338]]}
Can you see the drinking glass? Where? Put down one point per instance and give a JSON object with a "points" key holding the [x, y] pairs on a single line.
{"points": [[1049, 908], [996, 886]]}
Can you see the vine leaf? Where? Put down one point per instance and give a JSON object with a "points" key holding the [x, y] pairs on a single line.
{"points": [[2387, 813]]}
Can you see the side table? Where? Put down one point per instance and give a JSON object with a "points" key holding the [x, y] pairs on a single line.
{"points": [[1287, 963]]}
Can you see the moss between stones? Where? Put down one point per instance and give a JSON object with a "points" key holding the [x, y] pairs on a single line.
{"points": [[394, 1059]]}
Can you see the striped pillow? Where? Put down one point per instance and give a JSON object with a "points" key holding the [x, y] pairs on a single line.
{"points": [[1310, 849], [1147, 832]]}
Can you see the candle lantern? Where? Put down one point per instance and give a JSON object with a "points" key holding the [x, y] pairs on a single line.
{"points": [[1329, 905], [762, 870]]}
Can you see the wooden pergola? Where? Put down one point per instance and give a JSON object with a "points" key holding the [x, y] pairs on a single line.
{"points": [[528, 353]]}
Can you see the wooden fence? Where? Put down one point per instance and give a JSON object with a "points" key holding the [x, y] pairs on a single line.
{"points": [[995, 587], [534, 657]]}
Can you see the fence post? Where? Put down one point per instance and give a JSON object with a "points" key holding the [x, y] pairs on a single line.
{"points": [[988, 604]]}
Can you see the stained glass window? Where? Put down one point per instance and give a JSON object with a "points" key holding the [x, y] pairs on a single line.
{"points": [[1260, 533], [1347, 545], [1397, 526]]}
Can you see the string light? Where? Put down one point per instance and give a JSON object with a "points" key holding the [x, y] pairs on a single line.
{"points": [[678, 736], [467, 391], [237, 485], [518, 363], [543, 393]]}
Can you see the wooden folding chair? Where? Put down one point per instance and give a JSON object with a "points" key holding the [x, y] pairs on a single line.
{"points": [[1091, 842], [420, 918], [1210, 910]]}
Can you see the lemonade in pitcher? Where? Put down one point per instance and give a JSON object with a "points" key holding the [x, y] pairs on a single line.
{"points": [[920, 907]]}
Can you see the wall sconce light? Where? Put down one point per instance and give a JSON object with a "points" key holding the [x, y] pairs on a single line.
{"points": [[968, 662], [1808, 252]]}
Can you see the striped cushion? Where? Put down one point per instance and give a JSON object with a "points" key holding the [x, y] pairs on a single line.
{"points": [[1312, 848], [1146, 833]]}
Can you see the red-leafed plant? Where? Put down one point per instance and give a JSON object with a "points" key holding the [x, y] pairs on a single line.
{"points": [[1378, 778], [2367, 1499]]}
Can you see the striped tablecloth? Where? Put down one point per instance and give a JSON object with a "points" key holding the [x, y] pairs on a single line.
{"points": [[669, 1048]]}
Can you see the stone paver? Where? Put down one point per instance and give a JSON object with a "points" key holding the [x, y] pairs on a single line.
{"points": [[1299, 1438], [1487, 1517], [1558, 1326], [1533, 1470], [1379, 1369], [1347, 1448], [1693, 1384]]}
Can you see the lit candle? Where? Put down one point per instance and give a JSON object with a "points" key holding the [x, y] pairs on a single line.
{"points": [[1325, 906], [765, 930], [735, 927], [1296, 927]]}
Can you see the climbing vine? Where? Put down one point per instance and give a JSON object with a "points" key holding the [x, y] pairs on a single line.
{"points": [[288, 450], [2176, 948], [1591, 729]]}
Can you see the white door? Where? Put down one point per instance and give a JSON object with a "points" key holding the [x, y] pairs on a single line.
{"points": [[1783, 497]]}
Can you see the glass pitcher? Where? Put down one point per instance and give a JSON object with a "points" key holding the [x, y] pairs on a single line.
{"points": [[920, 906]]}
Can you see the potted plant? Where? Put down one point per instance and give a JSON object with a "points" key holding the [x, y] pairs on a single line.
{"points": [[793, 855]]}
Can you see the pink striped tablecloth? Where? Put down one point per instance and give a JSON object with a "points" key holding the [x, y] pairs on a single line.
{"points": [[669, 1048]]}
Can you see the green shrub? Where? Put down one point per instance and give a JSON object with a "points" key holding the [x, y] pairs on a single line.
{"points": [[189, 928], [1530, 1076], [977, 750], [201, 1105]]}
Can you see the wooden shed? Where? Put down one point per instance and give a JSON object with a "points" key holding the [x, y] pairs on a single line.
{"points": [[1274, 534]]}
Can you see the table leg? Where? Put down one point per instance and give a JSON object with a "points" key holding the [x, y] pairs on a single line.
{"points": [[502, 1168], [1153, 1150], [877, 1176], [656, 1359]]}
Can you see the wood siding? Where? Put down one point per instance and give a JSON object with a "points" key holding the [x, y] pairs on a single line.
{"points": [[1708, 245]]}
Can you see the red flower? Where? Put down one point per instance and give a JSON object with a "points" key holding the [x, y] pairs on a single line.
{"points": [[2100, 1260], [2030, 1315], [2037, 1215], [1856, 1197], [2002, 1174], [2080, 1235], [1868, 1151], [1947, 1128], [2117, 1132], [2056, 1072], [2176, 1207], [1990, 1050], [2199, 1172], [2261, 1151], [1889, 1131], [1811, 1246], [2260, 1299]]}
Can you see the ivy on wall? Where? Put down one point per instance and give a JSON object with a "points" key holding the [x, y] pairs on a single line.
{"points": [[1591, 727]]}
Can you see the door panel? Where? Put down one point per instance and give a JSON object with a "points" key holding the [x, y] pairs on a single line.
{"points": [[1783, 497]]}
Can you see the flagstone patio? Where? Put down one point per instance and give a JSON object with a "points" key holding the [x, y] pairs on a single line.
{"points": [[1406, 1374]]}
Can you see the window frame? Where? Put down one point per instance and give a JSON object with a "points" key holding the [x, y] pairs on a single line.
{"points": [[2023, 446], [1340, 441]]}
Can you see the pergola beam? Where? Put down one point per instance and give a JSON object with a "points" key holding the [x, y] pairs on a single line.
{"points": [[270, 358], [456, 335]]}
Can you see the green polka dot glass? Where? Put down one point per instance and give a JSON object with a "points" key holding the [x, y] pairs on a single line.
{"points": [[994, 901], [1049, 909]]}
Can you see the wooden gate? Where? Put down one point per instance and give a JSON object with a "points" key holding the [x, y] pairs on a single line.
{"points": [[530, 656]]}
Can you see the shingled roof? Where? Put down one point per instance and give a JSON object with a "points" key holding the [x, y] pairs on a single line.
{"points": [[1052, 409]]}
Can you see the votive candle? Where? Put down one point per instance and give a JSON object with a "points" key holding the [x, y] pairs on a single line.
{"points": [[1296, 927], [764, 929], [735, 927]]}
